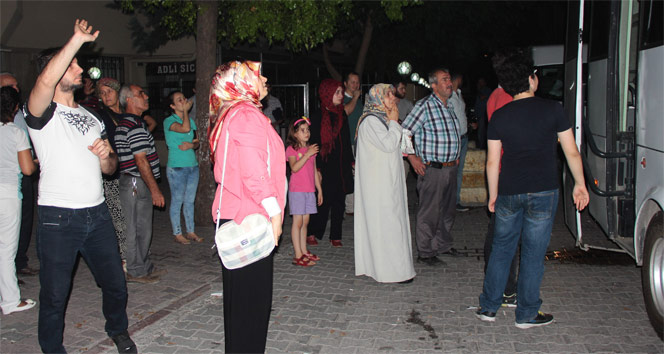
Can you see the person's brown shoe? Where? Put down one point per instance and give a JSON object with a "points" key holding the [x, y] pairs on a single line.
{"points": [[192, 236], [158, 272], [146, 279], [27, 271], [180, 239]]}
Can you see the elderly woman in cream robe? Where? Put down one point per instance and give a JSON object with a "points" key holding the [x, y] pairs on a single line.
{"points": [[383, 248]]}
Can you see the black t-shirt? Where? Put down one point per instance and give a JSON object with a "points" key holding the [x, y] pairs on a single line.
{"points": [[527, 129]]}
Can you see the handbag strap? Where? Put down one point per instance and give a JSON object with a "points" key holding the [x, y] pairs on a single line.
{"points": [[221, 188], [223, 170]]}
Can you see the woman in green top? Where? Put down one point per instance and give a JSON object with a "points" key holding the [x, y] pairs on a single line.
{"points": [[182, 167]]}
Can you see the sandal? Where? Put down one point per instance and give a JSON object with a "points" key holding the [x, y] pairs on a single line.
{"points": [[192, 236], [311, 240], [312, 256], [25, 304], [180, 239], [303, 261]]}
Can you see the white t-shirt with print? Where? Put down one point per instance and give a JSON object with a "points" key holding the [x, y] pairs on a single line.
{"points": [[70, 173]]}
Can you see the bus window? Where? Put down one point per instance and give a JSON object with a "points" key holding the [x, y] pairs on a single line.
{"points": [[550, 82], [652, 26], [599, 30]]}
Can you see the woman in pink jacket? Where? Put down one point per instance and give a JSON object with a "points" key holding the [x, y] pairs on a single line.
{"points": [[253, 146]]}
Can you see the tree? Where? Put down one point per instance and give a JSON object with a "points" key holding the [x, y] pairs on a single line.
{"points": [[365, 15], [300, 25]]}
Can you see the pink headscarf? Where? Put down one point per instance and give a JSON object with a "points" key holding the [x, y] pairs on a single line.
{"points": [[233, 83]]}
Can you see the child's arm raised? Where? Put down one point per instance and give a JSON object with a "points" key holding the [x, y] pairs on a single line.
{"points": [[296, 164]]}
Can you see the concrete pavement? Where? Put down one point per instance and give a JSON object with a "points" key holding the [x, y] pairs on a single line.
{"points": [[327, 309]]}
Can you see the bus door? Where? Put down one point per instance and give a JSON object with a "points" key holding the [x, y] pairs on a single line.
{"points": [[607, 128], [572, 60]]}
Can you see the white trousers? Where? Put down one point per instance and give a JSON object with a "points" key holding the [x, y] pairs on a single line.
{"points": [[10, 223], [350, 203]]}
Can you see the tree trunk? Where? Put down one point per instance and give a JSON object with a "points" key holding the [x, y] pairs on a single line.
{"points": [[206, 44], [364, 47], [361, 55], [328, 64]]}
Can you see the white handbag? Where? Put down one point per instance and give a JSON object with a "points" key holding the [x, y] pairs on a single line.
{"points": [[248, 242]]}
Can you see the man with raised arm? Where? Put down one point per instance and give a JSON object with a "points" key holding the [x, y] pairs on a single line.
{"points": [[73, 152]]}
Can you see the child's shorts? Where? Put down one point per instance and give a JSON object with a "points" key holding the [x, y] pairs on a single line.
{"points": [[302, 203]]}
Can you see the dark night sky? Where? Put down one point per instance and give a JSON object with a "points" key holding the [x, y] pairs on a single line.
{"points": [[462, 35]]}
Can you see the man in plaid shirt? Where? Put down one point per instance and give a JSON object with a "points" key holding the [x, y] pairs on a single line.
{"points": [[436, 138]]}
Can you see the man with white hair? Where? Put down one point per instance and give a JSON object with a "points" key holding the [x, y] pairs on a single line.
{"points": [[139, 171]]}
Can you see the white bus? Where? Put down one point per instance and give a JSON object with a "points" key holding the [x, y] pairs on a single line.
{"points": [[616, 104]]}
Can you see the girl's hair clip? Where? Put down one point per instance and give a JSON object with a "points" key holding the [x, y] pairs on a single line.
{"points": [[302, 119]]}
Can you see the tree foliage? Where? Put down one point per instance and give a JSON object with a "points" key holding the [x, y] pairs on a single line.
{"points": [[298, 24]]}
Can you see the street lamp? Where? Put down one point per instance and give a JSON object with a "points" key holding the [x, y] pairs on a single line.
{"points": [[94, 72], [414, 77], [404, 68]]}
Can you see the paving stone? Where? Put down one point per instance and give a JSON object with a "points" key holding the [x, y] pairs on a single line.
{"points": [[327, 309]]}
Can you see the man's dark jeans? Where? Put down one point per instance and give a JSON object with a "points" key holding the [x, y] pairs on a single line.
{"points": [[61, 234], [527, 217], [510, 288]]}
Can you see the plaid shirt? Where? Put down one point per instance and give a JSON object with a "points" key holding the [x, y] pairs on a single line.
{"points": [[435, 130]]}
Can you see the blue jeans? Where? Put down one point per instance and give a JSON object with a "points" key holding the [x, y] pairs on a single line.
{"points": [[183, 182], [62, 234], [531, 216], [462, 160]]}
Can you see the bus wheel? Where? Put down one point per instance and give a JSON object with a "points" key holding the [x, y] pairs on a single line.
{"points": [[652, 273]]}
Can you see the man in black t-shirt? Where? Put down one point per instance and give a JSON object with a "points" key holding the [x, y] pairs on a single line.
{"points": [[523, 192]]}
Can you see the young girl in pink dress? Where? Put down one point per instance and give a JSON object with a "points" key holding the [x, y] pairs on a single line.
{"points": [[304, 181]]}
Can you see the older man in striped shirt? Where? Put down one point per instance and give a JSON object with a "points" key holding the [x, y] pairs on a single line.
{"points": [[436, 137], [139, 172]]}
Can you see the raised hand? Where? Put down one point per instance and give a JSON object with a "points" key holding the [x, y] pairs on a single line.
{"points": [[393, 113], [313, 149], [83, 31], [187, 105]]}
